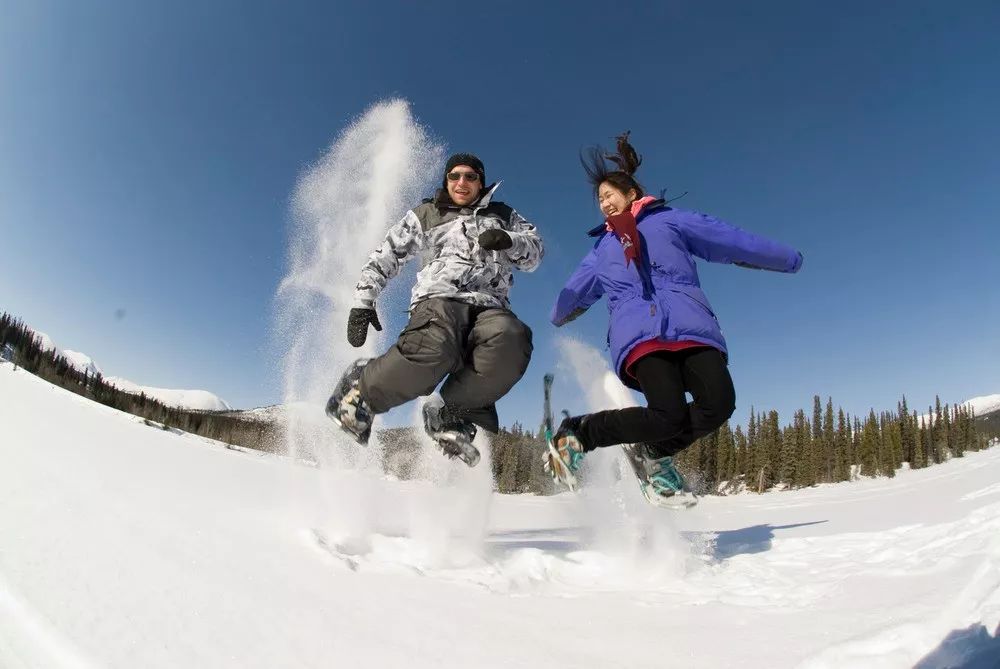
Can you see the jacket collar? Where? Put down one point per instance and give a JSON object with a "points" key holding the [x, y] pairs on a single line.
{"points": [[656, 205]]}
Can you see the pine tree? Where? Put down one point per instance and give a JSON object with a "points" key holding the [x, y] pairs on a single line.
{"points": [[525, 466], [937, 438], [706, 460], [961, 418], [828, 442], [906, 429], [789, 457], [869, 446], [691, 459], [896, 438], [856, 457], [806, 469], [927, 439], [892, 445], [853, 443], [842, 465], [742, 454], [774, 446], [817, 448], [725, 454], [760, 464], [949, 446]]}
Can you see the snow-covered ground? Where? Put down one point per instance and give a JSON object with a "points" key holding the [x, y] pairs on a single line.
{"points": [[123, 545]]}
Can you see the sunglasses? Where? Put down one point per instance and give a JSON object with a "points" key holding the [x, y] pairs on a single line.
{"points": [[469, 176]]}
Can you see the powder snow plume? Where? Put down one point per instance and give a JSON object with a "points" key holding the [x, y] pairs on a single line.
{"points": [[642, 541], [343, 205]]}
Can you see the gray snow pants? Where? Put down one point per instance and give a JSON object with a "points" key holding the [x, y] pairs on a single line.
{"points": [[483, 352]]}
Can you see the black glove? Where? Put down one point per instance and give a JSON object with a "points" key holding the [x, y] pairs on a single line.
{"points": [[495, 240], [357, 325]]}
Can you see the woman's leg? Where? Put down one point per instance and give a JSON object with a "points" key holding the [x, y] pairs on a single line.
{"points": [[662, 383], [669, 422], [706, 376]]}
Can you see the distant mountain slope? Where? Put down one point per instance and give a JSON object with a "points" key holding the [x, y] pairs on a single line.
{"points": [[199, 400]]}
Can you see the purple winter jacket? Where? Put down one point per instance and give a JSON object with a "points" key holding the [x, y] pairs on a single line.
{"points": [[662, 298]]}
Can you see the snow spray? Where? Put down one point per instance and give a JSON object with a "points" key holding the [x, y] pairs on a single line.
{"points": [[379, 166], [448, 522], [343, 205], [621, 524]]}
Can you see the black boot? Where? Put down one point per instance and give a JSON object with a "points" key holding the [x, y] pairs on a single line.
{"points": [[452, 433], [572, 426], [347, 408]]}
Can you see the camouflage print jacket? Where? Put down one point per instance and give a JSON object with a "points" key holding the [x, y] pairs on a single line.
{"points": [[452, 264]]}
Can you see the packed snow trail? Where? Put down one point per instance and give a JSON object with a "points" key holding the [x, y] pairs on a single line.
{"points": [[126, 545]]}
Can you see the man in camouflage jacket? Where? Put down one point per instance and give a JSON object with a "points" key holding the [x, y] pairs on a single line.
{"points": [[461, 326]]}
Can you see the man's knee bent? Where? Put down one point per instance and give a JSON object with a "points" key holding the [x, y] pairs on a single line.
{"points": [[514, 339]]}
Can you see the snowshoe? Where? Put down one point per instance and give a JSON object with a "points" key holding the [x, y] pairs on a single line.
{"points": [[660, 482], [565, 452], [347, 408], [452, 435], [563, 458]]}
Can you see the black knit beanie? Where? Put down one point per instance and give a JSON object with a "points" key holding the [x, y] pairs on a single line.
{"points": [[464, 159]]}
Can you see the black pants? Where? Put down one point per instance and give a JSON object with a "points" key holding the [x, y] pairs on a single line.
{"points": [[669, 423], [482, 351]]}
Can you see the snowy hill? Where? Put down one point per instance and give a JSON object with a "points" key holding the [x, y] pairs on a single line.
{"points": [[987, 404], [82, 362], [982, 406], [131, 546], [268, 414], [46, 342], [199, 400]]}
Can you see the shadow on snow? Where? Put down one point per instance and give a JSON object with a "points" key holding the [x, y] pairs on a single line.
{"points": [[969, 648], [747, 540]]}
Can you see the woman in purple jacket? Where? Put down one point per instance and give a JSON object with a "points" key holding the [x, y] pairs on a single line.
{"points": [[664, 338]]}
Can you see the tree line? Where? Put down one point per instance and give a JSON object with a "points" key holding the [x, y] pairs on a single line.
{"points": [[25, 349], [829, 447]]}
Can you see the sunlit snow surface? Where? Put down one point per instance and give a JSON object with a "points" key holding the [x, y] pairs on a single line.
{"points": [[125, 545]]}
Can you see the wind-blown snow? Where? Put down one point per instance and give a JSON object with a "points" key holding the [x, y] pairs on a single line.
{"points": [[381, 164], [125, 545]]}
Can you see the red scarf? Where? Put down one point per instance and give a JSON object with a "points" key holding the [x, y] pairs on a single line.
{"points": [[626, 230]]}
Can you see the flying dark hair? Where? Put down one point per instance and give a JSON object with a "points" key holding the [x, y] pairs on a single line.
{"points": [[595, 164]]}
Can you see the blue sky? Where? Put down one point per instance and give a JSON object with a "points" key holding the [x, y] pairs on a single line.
{"points": [[148, 152]]}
